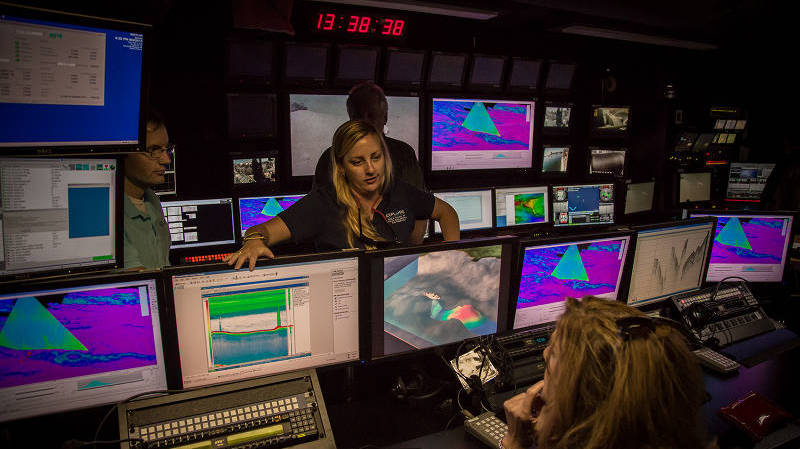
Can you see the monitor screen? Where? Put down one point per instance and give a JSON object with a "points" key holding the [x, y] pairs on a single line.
{"points": [[73, 345], [446, 70], [254, 170], [433, 296], [356, 64], [250, 60], [557, 116], [257, 210], [752, 246], [487, 71], [610, 120], [560, 76], [74, 83], [573, 268], [603, 161], [236, 325], [694, 187], [481, 134], [591, 204], [306, 62], [685, 141], [669, 260], [516, 206], [474, 208], [555, 159], [703, 142], [524, 74], [313, 118], [251, 115], [639, 197], [404, 67], [746, 181], [58, 214], [199, 222]]}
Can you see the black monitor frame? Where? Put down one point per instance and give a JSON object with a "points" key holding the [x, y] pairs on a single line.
{"points": [[522, 89], [306, 80], [677, 199], [396, 84], [271, 129], [554, 90], [349, 82], [652, 204], [612, 133], [435, 85], [495, 87], [242, 79]]}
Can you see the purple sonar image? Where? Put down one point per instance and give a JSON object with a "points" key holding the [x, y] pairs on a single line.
{"points": [[745, 240], [60, 336], [480, 126], [554, 273], [253, 211]]}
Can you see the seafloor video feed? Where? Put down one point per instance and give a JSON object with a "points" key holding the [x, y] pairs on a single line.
{"points": [[610, 119], [556, 116], [749, 240], [254, 170]]}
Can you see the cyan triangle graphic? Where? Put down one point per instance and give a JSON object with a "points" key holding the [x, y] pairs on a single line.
{"points": [[31, 326], [732, 234], [478, 120], [436, 308], [272, 208], [571, 266]]}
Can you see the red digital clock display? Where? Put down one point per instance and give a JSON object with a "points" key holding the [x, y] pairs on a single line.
{"points": [[360, 24]]}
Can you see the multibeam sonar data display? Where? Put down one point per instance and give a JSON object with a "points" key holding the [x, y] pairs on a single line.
{"points": [[750, 246], [520, 206], [481, 134], [552, 273], [253, 211], [440, 297]]}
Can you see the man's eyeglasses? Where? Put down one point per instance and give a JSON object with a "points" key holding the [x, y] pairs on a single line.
{"points": [[380, 244], [158, 152]]}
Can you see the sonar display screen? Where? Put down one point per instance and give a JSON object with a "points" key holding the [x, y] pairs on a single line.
{"points": [[753, 247], [551, 273], [253, 211], [441, 297], [583, 204], [481, 134], [520, 206]]}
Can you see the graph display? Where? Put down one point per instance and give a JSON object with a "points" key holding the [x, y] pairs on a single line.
{"points": [[552, 273], [440, 297], [474, 208], [520, 206], [253, 211], [668, 261]]}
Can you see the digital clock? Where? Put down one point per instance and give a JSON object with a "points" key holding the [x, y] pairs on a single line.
{"points": [[360, 24]]}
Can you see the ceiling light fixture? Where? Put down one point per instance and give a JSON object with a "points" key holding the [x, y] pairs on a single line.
{"points": [[592, 31], [423, 7]]}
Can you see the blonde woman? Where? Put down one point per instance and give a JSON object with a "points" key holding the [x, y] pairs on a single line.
{"points": [[364, 207], [614, 378]]}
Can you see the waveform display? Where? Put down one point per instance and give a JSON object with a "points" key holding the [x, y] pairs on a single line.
{"points": [[442, 297], [60, 336], [748, 240], [253, 211], [529, 208], [248, 327], [480, 126], [679, 267], [551, 274]]}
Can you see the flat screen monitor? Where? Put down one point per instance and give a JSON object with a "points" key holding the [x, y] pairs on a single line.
{"points": [[481, 134], [313, 118], [515, 206], [283, 316], [752, 246], [557, 116], [703, 142], [196, 223], [257, 210], [73, 84], [610, 120], [669, 259], [524, 75], [251, 115], [686, 141], [575, 267], [639, 197], [404, 67], [258, 169], [746, 181], [555, 159], [59, 214], [356, 64], [604, 161], [487, 72], [437, 294], [306, 63], [75, 344], [560, 75], [446, 70], [580, 205], [474, 208], [249, 61], [694, 187]]}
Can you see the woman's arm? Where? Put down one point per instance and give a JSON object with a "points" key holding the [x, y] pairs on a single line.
{"points": [[448, 220], [257, 240], [418, 233]]}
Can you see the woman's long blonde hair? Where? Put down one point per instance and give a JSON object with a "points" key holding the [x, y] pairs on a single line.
{"points": [[345, 137], [644, 392]]}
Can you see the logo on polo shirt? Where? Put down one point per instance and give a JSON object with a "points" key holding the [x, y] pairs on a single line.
{"points": [[398, 216]]}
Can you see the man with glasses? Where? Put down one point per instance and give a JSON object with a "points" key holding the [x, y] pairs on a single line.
{"points": [[146, 232]]}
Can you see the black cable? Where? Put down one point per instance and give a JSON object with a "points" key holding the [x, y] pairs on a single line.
{"points": [[716, 288], [74, 444], [124, 401]]}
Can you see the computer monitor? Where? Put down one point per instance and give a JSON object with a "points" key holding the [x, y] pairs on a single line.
{"points": [[670, 258], [605, 161], [314, 118], [556, 117], [516, 206], [479, 134], [404, 68], [686, 141], [703, 142], [474, 208], [75, 85], [610, 120], [195, 223], [555, 159], [79, 343], [287, 314], [59, 214], [356, 64], [170, 184], [559, 76], [249, 61], [434, 295], [639, 197], [580, 205], [257, 210], [750, 245], [694, 187], [306, 63], [446, 70], [254, 169], [251, 115], [487, 72], [577, 266], [524, 76], [746, 181]]}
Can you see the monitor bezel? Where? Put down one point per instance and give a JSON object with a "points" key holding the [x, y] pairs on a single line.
{"points": [[652, 202], [432, 230], [396, 84], [524, 89], [436, 85], [555, 90], [625, 168], [349, 82], [599, 132], [600, 182], [307, 81], [238, 79], [484, 87], [526, 226], [678, 190], [728, 183], [272, 128]]}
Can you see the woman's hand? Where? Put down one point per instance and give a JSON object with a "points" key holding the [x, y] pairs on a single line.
{"points": [[520, 420], [250, 252]]}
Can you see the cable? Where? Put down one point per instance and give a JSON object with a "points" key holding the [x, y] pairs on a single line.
{"points": [[124, 401], [74, 444]]}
